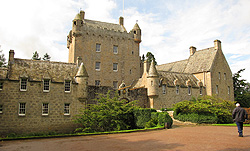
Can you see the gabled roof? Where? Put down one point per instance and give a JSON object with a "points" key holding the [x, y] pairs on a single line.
{"points": [[170, 77], [109, 26], [198, 62], [37, 70]]}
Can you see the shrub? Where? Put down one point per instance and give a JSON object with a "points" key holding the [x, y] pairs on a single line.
{"points": [[142, 116]]}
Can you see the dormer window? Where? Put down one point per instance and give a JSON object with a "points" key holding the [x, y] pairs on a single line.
{"points": [[46, 85], [23, 84]]}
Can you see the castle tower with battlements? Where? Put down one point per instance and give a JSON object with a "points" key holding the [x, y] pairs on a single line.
{"points": [[109, 53]]}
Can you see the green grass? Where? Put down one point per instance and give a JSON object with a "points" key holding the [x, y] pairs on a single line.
{"points": [[28, 136], [232, 124]]}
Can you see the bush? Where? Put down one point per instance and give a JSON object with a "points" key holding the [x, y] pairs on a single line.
{"points": [[159, 119], [205, 108], [142, 116]]}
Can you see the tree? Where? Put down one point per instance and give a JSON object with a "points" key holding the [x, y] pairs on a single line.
{"points": [[36, 56], [2, 59], [241, 89], [150, 57], [46, 57]]}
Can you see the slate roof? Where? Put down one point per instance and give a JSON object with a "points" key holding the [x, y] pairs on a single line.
{"points": [[109, 26], [37, 70], [3, 72], [201, 61], [170, 77]]}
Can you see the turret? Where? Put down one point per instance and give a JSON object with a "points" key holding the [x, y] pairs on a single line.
{"points": [[82, 80], [78, 21], [137, 33], [152, 80]]}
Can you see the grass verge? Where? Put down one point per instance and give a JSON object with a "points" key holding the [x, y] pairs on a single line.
{"points": [[232, 124]]}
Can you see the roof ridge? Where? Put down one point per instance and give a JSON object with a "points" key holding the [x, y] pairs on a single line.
{"points": [[44, 61], [172, 62]]}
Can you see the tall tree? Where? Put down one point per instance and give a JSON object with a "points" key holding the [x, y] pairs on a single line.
{"points": [[46, 57], [2, 59], [150, 57], [241, 89], [36, 56]]}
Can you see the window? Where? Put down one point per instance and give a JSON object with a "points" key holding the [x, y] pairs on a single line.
{"points": [[23, 84], [200, 90], [46, 85], [189, 90], [132, 52], [97, 82], [66, 109], [115, 84], [163, 89], [98, 48], [152, 83], [225, 76], [98, 66], [1, 85], [1, 108], [217, 89], [45, 109], [22, 109], [219, 75], [115, 49], [130, 71], [115, 66], [177, 89], [228, 90], [67, 86]]}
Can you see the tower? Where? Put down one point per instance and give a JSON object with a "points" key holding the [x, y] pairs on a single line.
{"points": [[137, 33], [82, 80]]}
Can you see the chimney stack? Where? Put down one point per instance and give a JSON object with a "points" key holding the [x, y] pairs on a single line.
{"points": [[217, 44], [82, 14], [192, 50], [121, 21], [11, 56]]}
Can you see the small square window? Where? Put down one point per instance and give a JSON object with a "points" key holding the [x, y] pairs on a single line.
{"points": [[66, 109], [97, 82], [115, 66], [163, 89], [22, 109], [98, 48], [46, 83], [98, 66], [115, 49], [1, 109], [23, 84], [115, 84], [67, 86], [45, 109]]}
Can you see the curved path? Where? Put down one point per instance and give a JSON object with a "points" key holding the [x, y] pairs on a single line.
{"points": [[179, 138]]}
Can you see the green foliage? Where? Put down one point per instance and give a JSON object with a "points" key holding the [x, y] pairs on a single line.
{"points": [[36, 56], [159, 119], [142, 116], [2, 59], [109, 114], [46, 57], [150, 57], [206, 107]]}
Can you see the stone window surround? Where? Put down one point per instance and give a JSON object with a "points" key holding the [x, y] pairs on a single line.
{"points": [[22, 109], [46, 85], [66, 108], [23, 84], [115, 67], [45, 109]]}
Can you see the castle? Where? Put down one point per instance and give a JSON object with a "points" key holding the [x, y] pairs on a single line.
{"points": [[42, 96]]}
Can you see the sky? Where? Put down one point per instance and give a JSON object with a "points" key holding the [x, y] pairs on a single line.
{"points": [[169, 27]]}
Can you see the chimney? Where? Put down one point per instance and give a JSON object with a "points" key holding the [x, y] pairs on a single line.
{"points": [[121, 21], [11, 56], [217, 44], [192, 50], [145, 67], [82, 14]]}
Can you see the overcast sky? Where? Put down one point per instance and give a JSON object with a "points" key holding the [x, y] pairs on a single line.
{"points": [[169, 27]]}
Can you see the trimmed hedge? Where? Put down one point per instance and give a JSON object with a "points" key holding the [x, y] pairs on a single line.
{"points": [[159, 119], [142, 116]]}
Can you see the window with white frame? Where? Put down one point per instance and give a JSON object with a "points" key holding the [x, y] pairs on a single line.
{"points": [[45, 109], [115, 49], [67, 86], [217, 89], [189, 90], [1, 108], [228, 90], [115, 66], [97, 82], [164, 89], [200, 90], [98, 48], [23, 84], [98, 66], [177, 89], [1, 85], [115, 84], [66, 109], [46, 83], [22, 109]]}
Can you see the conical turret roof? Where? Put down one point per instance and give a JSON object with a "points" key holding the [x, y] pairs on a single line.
{"points": [[136, 26], [82, 72], [78, 17], [152, 70]]}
